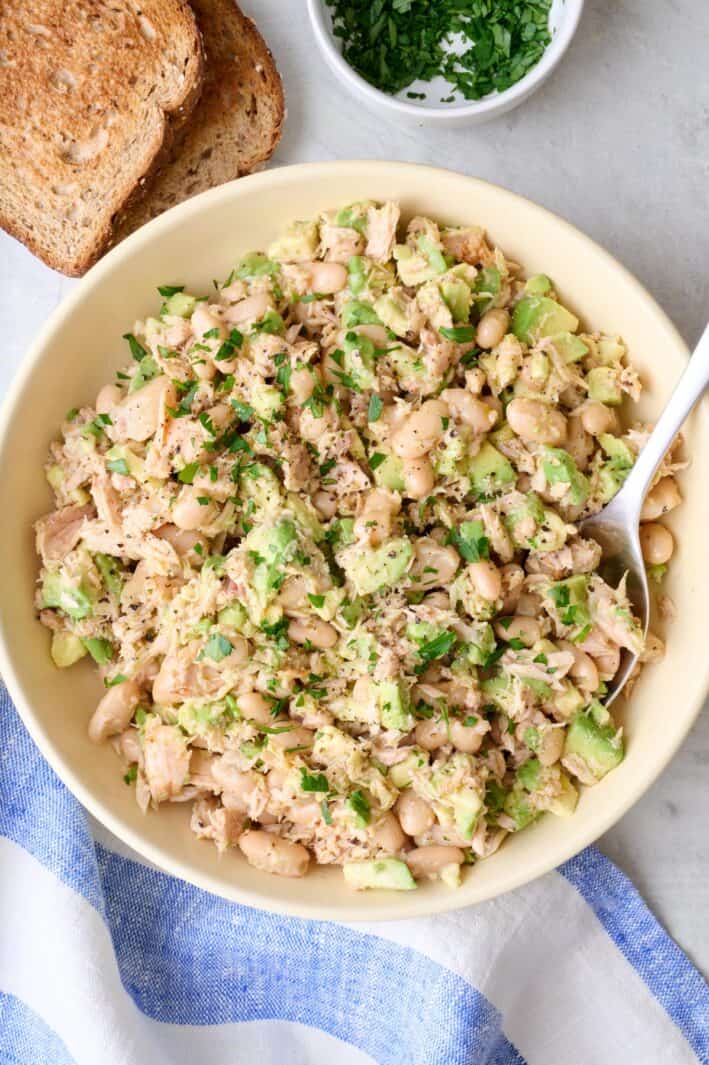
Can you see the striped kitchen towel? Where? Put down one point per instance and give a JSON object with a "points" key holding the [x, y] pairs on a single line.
{"points": [[106, 961]]}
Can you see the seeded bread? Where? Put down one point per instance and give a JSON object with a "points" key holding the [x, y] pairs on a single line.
{"points": [[236, 124], [91, 95]]}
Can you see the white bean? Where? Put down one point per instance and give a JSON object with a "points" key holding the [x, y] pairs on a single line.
{"points": [[657, 543], [315, 631], [250, 309], [326, 504], [431, 734], [326, 277], [255, 707], [485, 578], [387, 833], [188, 513], [115, 710], [415, 814], [107, 398], [374, 522], [183, 540], [534, 420], [470, 410], [584, 670], [204, 320], [526, 629], [492, 328], [421, 431], [596, 418], [466, 738], [433, 564], [418, 477], [272, 854], [661, 499], [551, 745], [428, 861]]}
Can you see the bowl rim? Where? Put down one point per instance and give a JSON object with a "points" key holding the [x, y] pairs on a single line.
{"points": [[488, 105], [417, 904]]}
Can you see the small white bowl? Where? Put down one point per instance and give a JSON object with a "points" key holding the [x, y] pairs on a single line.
{"points": [[563, 19]]}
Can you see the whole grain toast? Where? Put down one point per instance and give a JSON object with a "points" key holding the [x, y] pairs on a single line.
{"points": [[91, 94], [236, 124]]}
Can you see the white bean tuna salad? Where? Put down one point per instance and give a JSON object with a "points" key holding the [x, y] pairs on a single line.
{"points": [[320, 537]]}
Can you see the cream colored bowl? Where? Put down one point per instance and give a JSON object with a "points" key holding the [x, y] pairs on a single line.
{"points": [[80, 347]]}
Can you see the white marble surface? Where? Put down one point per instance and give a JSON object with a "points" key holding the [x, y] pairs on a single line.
{"points": [[618, 143]]}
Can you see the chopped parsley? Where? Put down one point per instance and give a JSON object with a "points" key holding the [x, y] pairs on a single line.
{"points": [[376, 406], [359, 804], [217, 647], [461, 334], [438, 647], [136, 348], [170, 290], [313, 781]]}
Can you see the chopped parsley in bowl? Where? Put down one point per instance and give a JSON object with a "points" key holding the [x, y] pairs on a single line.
{"points": [[446, 61], [320, 538]]}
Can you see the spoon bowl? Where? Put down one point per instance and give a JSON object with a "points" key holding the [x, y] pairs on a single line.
{"points": [[617, 527]]}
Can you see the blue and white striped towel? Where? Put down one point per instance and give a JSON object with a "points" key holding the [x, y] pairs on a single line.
{"points": [[106, 961]]}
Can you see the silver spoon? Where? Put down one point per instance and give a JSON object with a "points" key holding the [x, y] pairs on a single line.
{"points": [[616, 528]]}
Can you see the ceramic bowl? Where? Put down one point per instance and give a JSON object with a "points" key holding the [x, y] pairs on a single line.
{"points": [[563, 20], [79, 349]]}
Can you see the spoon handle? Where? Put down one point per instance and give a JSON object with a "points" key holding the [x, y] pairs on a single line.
{"points": [[689, 390]]}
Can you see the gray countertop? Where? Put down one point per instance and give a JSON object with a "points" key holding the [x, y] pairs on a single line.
{"points": [[617, 142]]}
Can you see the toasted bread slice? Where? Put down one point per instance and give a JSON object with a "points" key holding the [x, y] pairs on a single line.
{"points": [[89, 94], [236, 124]]}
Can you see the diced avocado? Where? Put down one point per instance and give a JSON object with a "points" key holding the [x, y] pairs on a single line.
{"points": [[539, 285], [529, 774], [261, 485], [233, 616], [539, 316], [358, 312], [458, 298], [402, 773], [487, 285], [266, 401], [467, 805], [55, 476], [151, 326], [599, 746], [570, 597], [341, 532], [610, 481], [394, 709], [448, 458], [538, 368], [621, 455], [359, 361], [390, 874], [423, 631], [299, 243], [74, 599], [610, 350], [268, 548], [450, 875], [530, 510], [569, 701], [354, 216], [357, 272], [433, 254], [498, 690], [306, 516], [369, 569], [66, 649], [392, 314], [179, 304], [489, 470], [518, 807], [551, 534], [100, 650], [413, 267], [111, 573], [604, 386], [256, 264], [570, 348], [565, 802], [560, 468], [479, 648], [122, 459], [390, 474]]}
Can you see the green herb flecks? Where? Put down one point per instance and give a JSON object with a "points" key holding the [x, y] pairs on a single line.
{"points": [[393, 43]]}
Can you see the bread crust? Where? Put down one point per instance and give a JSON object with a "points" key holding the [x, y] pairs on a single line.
{"points": [[236, 124], [81, 82]]}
